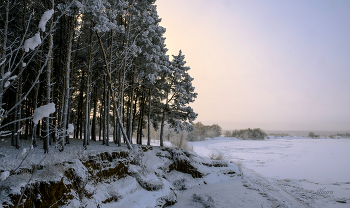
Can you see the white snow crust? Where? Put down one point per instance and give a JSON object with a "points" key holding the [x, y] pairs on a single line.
{"points": [[43, 111], [46, 16], [32, 42], [70, 128]]}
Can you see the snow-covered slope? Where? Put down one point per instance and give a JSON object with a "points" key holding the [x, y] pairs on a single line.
{"points": [[104, 176]]}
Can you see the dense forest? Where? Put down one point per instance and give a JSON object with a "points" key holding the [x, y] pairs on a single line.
{"points": [[99, 66]]}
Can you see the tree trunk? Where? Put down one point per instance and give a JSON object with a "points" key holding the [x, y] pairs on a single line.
{"points": [[149, 118], [37, 99], [18, 111], [162, 129], [162, 123], [134, 116], [101, 125], [131, 103], [48, 86], [93, 126], [4, 49], [113, 98], [27, 121], [108, 115], [141, 117], [87, 110], [80, 108], [104, 110], [67, 76]]}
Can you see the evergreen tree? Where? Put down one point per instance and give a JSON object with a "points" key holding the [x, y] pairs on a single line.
{"points": [[179, 93]]}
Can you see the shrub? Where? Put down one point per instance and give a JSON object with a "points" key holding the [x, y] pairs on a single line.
{"points": [[254, 134], [179, 141], [203, 131], [228, 133], [215, 156], [313, 135]]}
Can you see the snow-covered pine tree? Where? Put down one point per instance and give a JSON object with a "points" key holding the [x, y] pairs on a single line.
{"points": [[151, 61], [179, 93]]}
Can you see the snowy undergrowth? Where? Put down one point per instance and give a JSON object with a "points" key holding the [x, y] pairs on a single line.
{"points": [[104, 176]]}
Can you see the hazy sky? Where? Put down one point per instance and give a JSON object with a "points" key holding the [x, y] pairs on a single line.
{"points": [[271, 64]]}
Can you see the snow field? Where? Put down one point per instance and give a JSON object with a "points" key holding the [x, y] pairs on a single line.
{"points": [[298, 167]]}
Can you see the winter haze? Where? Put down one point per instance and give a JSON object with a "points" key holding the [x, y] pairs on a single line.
{"points": [[275, 65]]}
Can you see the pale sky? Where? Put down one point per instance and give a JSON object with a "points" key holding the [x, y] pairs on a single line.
{"points": [[271, 64]]}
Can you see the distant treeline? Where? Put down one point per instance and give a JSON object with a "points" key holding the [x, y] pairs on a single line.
{"points": [[245, 134], [342, 135], [200, 133], [279, 134]]}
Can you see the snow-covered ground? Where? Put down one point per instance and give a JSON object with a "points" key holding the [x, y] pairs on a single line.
{"points": [[284, 172], [313, 172]]}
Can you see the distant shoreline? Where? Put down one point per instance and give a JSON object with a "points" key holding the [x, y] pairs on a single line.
{"points": [[301, 133]]}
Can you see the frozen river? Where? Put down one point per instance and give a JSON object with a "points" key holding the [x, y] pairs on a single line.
{"points": [[314, 171]]}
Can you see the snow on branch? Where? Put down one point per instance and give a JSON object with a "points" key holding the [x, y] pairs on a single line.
{"points": [[5, 76], [43, 111], [32, 42], [70, 128], [46, 16]]}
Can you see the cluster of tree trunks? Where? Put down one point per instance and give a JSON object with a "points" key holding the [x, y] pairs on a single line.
{"points": [[105, 70]]}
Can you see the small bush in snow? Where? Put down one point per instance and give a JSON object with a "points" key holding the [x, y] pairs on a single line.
{"points": [[313, 135], [215, 156], [181, 184], [204, 199], [240, 165], [179, 141]]}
